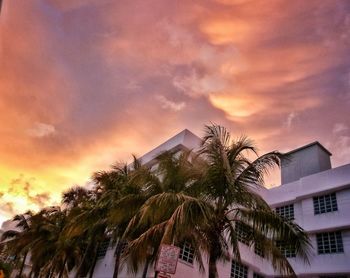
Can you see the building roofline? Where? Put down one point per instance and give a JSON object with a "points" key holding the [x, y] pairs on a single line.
{"points": [[309, 145], [183, 139]]}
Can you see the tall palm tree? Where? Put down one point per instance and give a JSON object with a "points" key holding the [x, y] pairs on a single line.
{"points": [[90, 226], [76, 196], [85, 225], [52, 251], [17, 240], [113, 192], [121, 198], [210, 218], [231, 183], [173, 183]]}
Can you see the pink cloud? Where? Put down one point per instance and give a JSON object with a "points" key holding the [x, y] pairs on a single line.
{"points": [[83, 83]]}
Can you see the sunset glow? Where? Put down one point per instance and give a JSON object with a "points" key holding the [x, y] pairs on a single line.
{"points": [[86, 83]]}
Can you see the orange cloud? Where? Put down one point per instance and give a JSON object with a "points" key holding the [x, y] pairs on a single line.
{"points": [[86, 83]]}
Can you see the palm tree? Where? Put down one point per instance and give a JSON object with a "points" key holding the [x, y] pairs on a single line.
{"points": [[76, 196], [174, 182], [231, 183], [113, 192], [16, 240], [210, 218], [90, 226], [122, 195], [85, 225], [52, 251]]}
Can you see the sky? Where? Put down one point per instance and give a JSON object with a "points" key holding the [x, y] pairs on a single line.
{"points": [[86, 83]]}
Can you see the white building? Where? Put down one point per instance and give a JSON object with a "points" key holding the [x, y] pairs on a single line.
{"points": [[313, 193]]}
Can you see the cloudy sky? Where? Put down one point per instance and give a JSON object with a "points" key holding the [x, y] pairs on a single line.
{"points": [[84, 83]]}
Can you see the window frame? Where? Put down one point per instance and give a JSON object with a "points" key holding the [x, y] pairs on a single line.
{"points": [[258, 250], [325, 203], [286, 249], [242, 233], [238, 270], [329, 243], [286, 211], [186, 253]]}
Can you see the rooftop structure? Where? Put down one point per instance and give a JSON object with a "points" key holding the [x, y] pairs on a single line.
{"points": [[304, 161]]}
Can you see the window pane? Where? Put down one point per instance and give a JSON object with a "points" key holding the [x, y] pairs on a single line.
{"points": [[325, 203], [186, 252], [286, 211], [238, 270], [330, 242]]}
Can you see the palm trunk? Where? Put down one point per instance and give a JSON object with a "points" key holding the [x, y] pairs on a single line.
{"points": [[83, 260], [214, 251], [94, 261], [22, 265], [63, 267], [145, 270], [118, 253], [213, 272]]}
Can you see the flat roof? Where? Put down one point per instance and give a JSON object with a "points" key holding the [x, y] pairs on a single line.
{"points": [[184, 139], [310, 145]]}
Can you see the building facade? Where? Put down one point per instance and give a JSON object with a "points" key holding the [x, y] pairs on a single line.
{"points": [[312, 193]]}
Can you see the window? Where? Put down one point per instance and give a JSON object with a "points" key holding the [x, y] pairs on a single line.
{"points": [[325, 203], [287, 250], [258, 250], [286, 211], [186, 252], [242, 233], [102, 248], [257, 275], [238, 270], [330, 242]]}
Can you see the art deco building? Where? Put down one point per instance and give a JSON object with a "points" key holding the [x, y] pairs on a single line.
{"points": [[312, 193]]}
